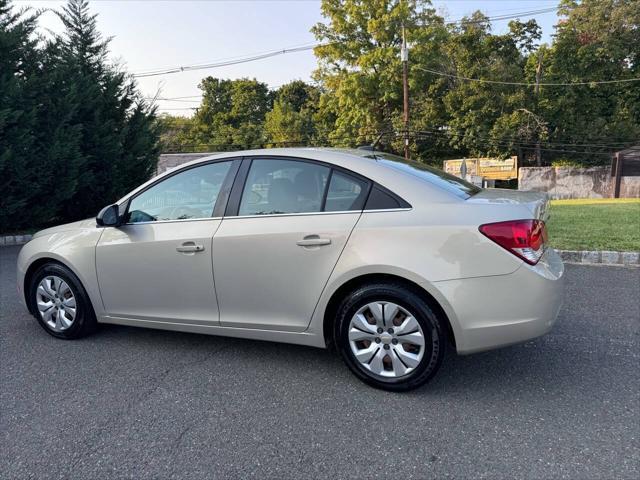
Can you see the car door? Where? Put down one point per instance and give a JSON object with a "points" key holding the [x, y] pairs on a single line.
{"points": [[286, 225], [158, 266]]}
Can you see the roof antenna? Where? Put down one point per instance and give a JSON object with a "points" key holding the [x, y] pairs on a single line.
{"points": [[373, 146], [377, 141]]}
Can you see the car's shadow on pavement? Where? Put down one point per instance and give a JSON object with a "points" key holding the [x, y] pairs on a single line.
{"points": [[519, 368]]}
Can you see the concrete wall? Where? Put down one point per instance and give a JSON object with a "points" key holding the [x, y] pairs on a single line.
{"points": [[573, 182], [172, 160]]}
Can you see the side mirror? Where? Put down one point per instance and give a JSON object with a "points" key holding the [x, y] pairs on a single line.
{"points": [[109, 216]]}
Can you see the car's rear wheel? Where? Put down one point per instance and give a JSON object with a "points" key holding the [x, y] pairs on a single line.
{"points": [[60, 303], [389, 337]]}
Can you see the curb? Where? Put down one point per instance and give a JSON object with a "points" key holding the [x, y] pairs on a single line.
{"points": [[10, 240], [600, 257]]}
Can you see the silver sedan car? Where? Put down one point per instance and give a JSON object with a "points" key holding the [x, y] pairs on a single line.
{"points": [[387, 261]]}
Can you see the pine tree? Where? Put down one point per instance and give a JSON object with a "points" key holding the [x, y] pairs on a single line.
{"points": [[18, 65], [118, 136], [74, 133]]}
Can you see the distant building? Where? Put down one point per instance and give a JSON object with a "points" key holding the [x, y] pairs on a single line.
{"points": [[168, 161]]}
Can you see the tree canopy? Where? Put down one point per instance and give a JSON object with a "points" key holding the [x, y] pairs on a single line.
{"points": [[472, 92], [74, 133]]}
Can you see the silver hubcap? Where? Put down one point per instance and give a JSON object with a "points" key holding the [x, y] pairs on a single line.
{"points": [[386, 339], [56, 303]]}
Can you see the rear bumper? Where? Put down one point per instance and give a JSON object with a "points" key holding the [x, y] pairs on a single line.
{"points": [[496, 311]]}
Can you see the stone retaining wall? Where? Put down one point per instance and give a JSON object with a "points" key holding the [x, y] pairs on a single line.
{"points": [[573, 182]]}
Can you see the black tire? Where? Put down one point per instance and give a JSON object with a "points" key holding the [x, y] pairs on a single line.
{"points": [[84, 322], [433, 330]]}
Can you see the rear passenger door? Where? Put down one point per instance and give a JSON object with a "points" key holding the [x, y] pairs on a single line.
{"points": [[286, 225]]}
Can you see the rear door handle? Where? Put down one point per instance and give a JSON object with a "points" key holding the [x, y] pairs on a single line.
{"points": [[313, 241], [190, 247]]}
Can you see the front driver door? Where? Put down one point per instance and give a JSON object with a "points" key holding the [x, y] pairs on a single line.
{"points": [[158, 265], [274, 254]]}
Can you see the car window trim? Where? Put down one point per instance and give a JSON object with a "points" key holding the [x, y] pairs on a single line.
{"points": [[225, 191], [323, 205], [231, 173], [363, 196], [402, 203], [233, 206]]}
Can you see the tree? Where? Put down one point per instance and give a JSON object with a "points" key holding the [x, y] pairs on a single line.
{"points": [[474, 107], [292, 120], [18, 65], [74, 133], [359, 64], [596, 40], [173, 130], [37, 142], [231, 115], [118, 137]]}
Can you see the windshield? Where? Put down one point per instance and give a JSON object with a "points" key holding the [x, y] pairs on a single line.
{"points": [[446, 181]]}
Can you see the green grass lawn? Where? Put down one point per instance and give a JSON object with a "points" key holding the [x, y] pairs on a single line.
{"points": [[595, 224]]}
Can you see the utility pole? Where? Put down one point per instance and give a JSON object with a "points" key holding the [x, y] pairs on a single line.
{"points": [[404, 56], [536, 92]]}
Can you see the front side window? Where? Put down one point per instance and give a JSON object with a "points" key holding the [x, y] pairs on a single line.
{"points": [[283, 186], [186, 195]]}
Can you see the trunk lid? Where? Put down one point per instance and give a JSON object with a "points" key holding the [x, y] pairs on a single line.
{"points": [[536, 202]]}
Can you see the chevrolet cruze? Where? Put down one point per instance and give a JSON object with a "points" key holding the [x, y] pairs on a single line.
{"points": [[385, 260]]}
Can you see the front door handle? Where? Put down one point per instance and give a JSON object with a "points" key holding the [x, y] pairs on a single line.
{"points": [[190, 247], [313, 241]]}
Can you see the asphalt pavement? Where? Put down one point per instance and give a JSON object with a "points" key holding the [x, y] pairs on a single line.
{"points": [[143, 404]]}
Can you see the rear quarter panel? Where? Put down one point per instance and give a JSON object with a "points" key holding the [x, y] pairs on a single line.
{"points": [[429, 243]]}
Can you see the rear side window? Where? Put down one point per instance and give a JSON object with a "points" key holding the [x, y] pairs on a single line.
{"points": [[283, 186], [435, 176], [345, 193], [379, 199]]}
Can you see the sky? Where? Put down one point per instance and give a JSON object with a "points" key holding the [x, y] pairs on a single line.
{"points": [[156, 34]]}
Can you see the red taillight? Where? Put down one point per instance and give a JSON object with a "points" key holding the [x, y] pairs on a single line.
{"points": [[523, 238]]}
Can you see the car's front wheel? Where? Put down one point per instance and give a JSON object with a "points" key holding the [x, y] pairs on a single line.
{"points": [[60, 303], [389, 337]]}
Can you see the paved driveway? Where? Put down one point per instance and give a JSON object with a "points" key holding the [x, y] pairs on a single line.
{"points": [[134, 403]]}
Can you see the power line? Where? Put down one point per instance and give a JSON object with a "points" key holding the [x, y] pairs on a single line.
{"points": [[509, 16], [161, 99], [283, 51], [176, 98], [508, 141], [414, 134], [524, 146], [458, 133], [226, 63], [548, 84], [519, 140]]}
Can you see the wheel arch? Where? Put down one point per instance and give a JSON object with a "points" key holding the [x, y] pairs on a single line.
{"points": [[31, 270], [368, 278]]}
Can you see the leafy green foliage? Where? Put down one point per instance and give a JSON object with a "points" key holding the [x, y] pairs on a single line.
{"points": [[74, 133], [358, 87], [231, 115], [292, 120], [360, 66], [598, 39]]}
